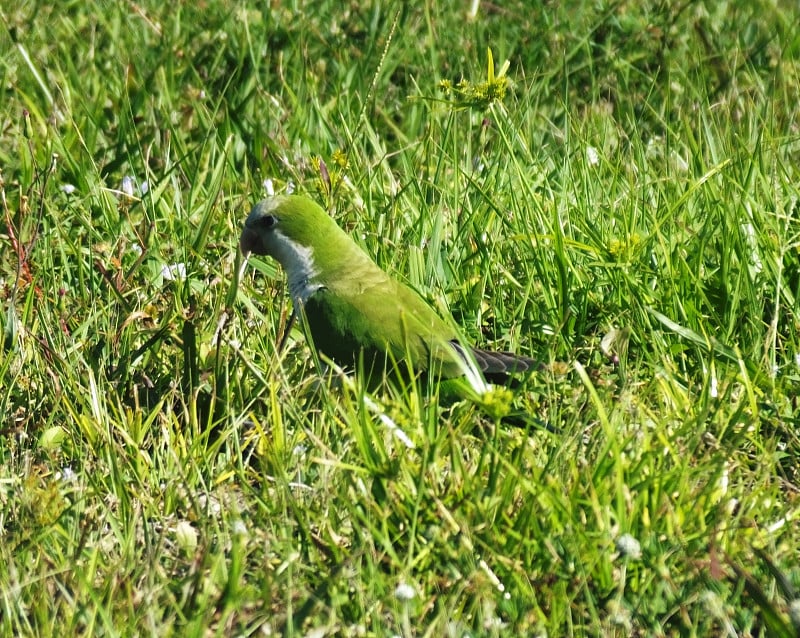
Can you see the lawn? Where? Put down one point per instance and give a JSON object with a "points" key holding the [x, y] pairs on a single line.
{"points": [[609, 187]]}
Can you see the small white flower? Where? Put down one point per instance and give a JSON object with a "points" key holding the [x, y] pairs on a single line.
{"points": [[172, 272], [131, 188], [404, 592], [128, 185], [289, 188], [238, 528], [629, 547], [68, 474], [68, 188], [269, 187], [592, 156]]}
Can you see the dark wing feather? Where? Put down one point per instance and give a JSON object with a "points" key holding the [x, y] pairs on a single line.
{"points": [[498, 366]]}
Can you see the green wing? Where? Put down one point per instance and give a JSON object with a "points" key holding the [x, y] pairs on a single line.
{"points": [[382, 321]]}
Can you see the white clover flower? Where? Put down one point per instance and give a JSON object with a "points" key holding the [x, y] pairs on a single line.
{"points": [[404, 592], [592, 156], [629, 547]]}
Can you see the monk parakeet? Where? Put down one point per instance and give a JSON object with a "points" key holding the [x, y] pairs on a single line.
{"points": [[356, 313]]}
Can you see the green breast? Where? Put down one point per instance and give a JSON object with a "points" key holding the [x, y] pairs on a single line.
{"points": [[337, 339]]}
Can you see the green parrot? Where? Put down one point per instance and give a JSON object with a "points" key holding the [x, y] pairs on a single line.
{"points": [[356, 314]]}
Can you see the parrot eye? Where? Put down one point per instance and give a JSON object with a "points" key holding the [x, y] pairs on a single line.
{"points": [[268, 221]]}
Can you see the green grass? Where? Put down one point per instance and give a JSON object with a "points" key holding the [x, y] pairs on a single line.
{"points": [[627, 211]]}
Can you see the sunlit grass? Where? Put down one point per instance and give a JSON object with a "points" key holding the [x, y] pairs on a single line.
{"points": [[618, 200]]}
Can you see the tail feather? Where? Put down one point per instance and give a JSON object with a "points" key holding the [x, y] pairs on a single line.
{"points": [[498, 366]]}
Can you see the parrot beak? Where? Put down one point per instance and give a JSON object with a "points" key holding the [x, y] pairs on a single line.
{"points": [[250, 242]]}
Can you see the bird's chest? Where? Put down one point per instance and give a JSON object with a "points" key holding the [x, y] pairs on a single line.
{"points": [[338, 331]]}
